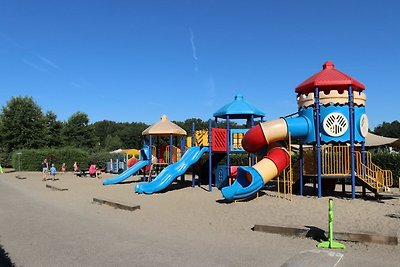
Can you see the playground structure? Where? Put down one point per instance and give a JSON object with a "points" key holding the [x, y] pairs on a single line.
{"points": [[152, 157], [215, 142], [237, 109], [331, 118], [330, 127], [128, 156], [144, 160]]}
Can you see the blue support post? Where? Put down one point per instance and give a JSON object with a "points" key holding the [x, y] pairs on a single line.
{"points": [[183, 152], [363, 161], [209, 156], [253, 158], [170, 149], [301, 169], [193, 137], [151, 155], [115, 170], [228, 146], [318, 139], [144, 145], [352, 163], [363, 156]]}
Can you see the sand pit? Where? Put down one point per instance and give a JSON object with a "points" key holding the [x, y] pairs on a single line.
{"points": [[183, 226]]}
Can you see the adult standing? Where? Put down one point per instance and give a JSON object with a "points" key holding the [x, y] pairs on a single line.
{"points": [[45, 169]]}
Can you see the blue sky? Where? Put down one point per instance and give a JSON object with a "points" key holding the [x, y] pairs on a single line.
{"points": [[136, 60]]}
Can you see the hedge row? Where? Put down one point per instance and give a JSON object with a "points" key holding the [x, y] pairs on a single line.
{"points": [[31, 159]]}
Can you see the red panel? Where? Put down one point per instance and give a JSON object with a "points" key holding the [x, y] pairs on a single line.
{"points": [[218, 140]]}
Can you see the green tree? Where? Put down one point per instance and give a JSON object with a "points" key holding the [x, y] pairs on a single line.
{"points": [[77, 132], [22, 125], [104, 128], [187, 124], [112, 142], [388, 129], [130, 134], [54, 128]]}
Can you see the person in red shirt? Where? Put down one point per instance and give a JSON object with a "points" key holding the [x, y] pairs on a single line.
{"points": [[93, 170]]}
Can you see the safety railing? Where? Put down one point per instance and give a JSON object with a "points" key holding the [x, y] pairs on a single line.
{"points": [[387, 174], [388, 177], [370, 173], [335, 161], [284, 184], [176, 154], [286, 179]]}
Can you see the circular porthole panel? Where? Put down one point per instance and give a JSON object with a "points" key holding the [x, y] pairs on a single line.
{"points": [[364, 125], [335, 124]]}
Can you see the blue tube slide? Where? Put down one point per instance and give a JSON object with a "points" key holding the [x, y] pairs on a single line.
{"points": [[242, 187], [171, 172], [127, 173], [248, 180]]}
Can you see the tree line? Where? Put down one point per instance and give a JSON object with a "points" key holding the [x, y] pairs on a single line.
{"points": [[23, 125]]}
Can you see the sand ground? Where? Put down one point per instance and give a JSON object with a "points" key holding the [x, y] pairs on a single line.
{"points": [[183, 226]]}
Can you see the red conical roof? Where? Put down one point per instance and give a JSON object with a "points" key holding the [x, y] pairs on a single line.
{"points": [[327, 79]]}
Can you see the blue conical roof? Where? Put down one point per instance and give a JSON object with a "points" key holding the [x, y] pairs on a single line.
{"points": [[238, 109]]}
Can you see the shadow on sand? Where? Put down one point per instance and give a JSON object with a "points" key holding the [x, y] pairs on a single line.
{"points": [[4, 259]]}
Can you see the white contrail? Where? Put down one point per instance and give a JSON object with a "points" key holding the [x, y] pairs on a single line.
{"points": [[193, 50], [36, 67], [49, 62]]}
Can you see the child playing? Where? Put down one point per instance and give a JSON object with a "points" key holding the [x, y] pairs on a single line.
{"points": [[53, 172], [63, 167], [45, 168], [93, 170], [76, 167]]}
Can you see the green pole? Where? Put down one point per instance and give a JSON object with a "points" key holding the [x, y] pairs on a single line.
{"points": [[330, 243]]}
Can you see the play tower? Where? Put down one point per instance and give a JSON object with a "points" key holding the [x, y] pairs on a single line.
{"points": [[331, 119], [334, 103]]}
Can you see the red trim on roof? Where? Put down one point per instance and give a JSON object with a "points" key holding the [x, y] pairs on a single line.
{"points": [[329, 78]]}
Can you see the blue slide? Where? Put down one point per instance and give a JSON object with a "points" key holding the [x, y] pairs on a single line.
{"points": [[168, 175], [242, 187], [127, 173]]}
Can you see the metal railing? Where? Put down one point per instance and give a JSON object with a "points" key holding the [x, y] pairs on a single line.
{"points": [[372, 174], [335, 161], [286, 178]]}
